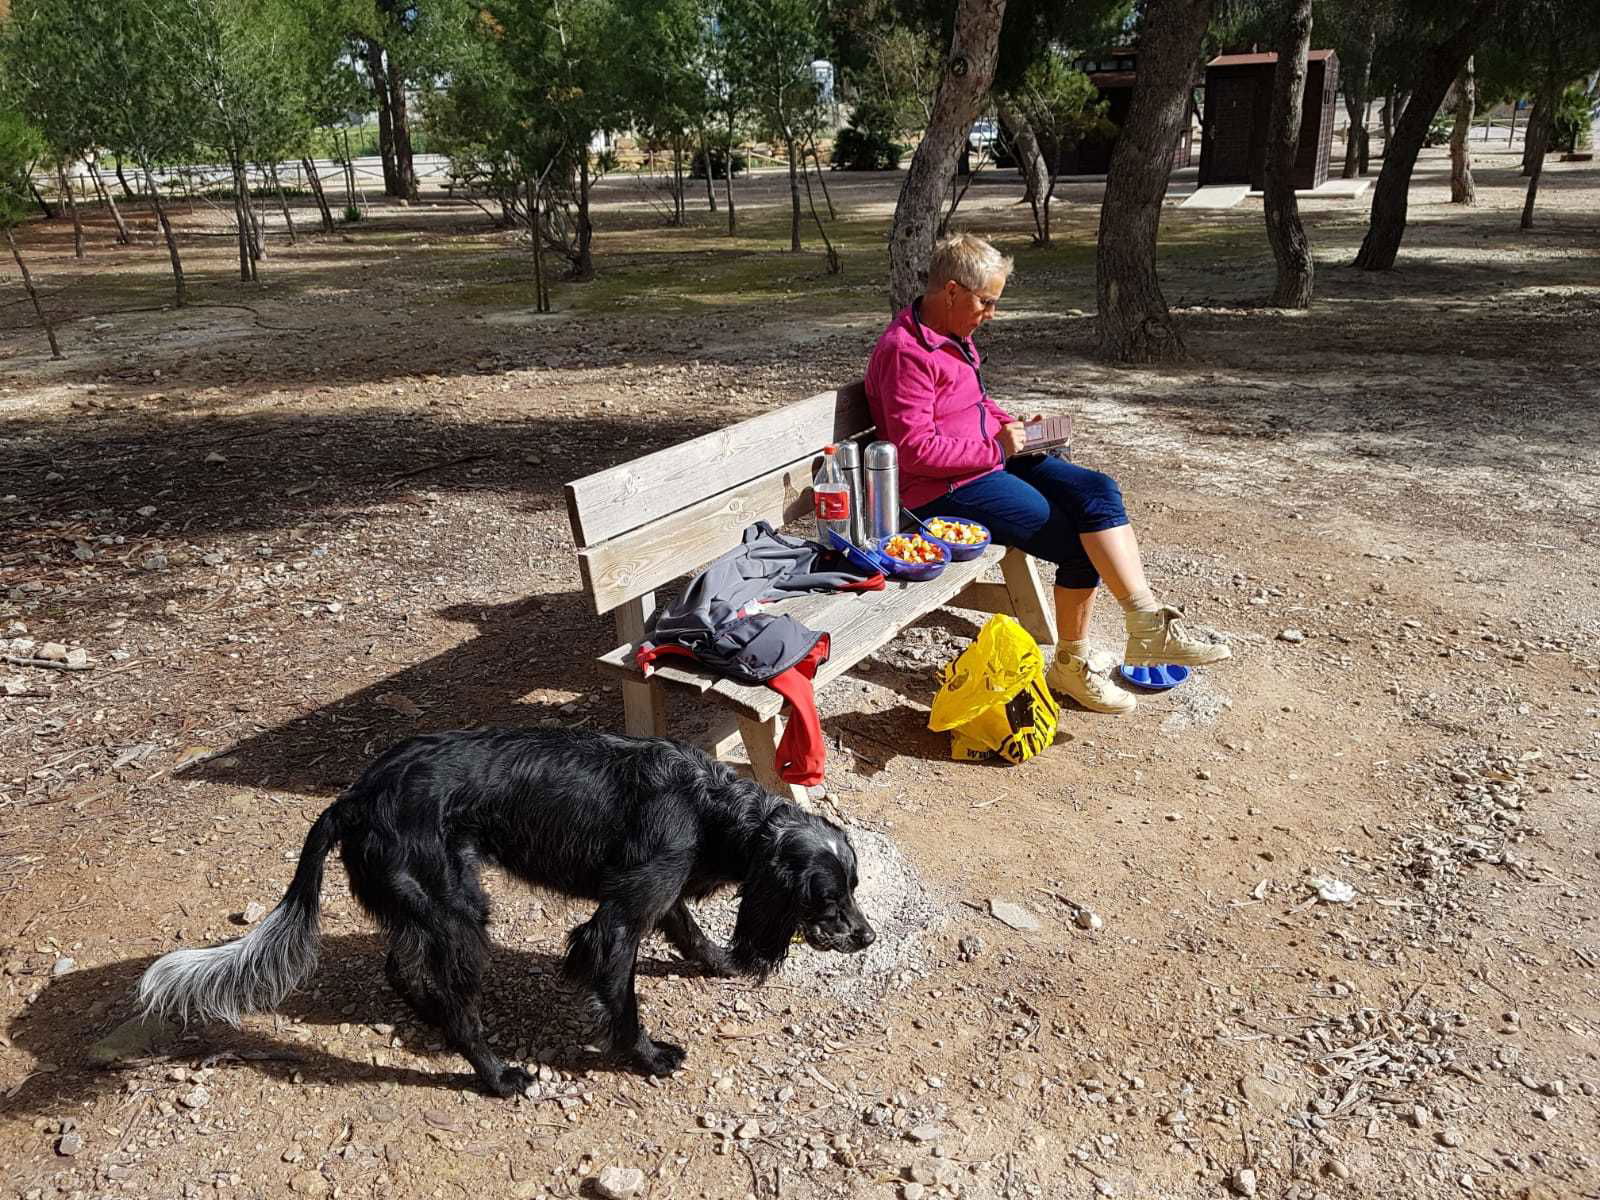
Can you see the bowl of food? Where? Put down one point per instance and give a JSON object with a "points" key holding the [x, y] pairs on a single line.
{"points": [[912, 556], [966, 539]]}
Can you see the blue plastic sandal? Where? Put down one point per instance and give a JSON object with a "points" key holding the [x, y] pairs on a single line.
{"points": [[1156, 679]]}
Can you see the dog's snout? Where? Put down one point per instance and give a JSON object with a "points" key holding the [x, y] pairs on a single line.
{"points": [[865, 936]]}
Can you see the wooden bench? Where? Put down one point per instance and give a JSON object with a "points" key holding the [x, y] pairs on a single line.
{"points": [[645, 523]]}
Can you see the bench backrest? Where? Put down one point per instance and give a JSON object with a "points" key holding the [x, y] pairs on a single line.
{"points": [[646, 522]]}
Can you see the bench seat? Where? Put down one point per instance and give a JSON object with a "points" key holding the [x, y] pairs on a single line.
{"points": [[641, 525], [857, 623]]}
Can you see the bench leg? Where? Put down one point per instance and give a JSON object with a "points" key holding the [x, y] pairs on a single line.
{"points": [[761, 744], [1030, 602], [644, 704]]}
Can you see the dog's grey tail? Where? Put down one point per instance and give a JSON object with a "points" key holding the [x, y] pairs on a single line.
{"points": [[258, 970]]}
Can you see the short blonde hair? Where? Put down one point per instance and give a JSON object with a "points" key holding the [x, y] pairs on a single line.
{"points": [[968, 260]]}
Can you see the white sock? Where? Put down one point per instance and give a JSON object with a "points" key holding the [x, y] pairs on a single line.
{"points": [[1073, 649], [1140, 600]]}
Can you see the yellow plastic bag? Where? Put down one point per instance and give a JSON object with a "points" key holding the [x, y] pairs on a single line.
{"points": [[994, 699]]}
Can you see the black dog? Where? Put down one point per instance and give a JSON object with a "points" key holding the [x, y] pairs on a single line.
{"points": [[641, 825]]}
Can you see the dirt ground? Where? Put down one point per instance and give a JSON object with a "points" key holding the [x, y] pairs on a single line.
{"points": [[298, 521]]}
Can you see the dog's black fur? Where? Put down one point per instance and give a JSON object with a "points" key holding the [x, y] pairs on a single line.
{"points": [[641, 825]]}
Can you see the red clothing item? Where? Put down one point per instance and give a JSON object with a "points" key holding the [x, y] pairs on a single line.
{"points": [[927, 397], [802, 751]]}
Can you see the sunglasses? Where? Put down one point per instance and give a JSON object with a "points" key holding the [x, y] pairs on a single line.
{"points": [[987, 303]]}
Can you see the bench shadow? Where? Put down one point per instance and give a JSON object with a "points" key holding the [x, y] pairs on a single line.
{"points": [[872, 740], [529, 1010], [544, 641]]}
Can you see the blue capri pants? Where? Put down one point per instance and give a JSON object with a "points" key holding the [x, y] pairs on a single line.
{"points": [[1039, 504]]}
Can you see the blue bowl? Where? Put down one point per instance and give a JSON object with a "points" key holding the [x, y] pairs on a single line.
{"points": [[960, 551], [1156, 679], [905, 570]]}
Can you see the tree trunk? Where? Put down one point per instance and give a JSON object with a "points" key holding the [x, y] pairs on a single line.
{"points": [[1366, 138], [831, 255], [405, 171], [127, 192], [1285, 232], [1533, 147], [27, 284], [727, 176], [116, 214], [1539, 127], [1386, 119], [256, 239], [49, 213], [316, 190], [72, 207], [1050, 187], [283, 201], [1462, 190], [968, 71], [349, 166], [541, 293], [583, 264], [241, 219], [166, 230], [1134, 324], [1437, 70], [1034, 192], [711, 183], [821, 181], [1030, 162], [378, 77], [1355, 78], [677, 180], [794, 198]]}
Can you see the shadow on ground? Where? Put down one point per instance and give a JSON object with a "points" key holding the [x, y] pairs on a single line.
{"points": [[544, 641], [527, 1008]]}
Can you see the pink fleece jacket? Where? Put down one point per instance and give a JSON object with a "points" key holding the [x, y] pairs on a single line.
{"points": [[927, 397]]}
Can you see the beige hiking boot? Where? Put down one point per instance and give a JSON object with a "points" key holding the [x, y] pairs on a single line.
{"points": [[1156, 639], [1089, 682]]}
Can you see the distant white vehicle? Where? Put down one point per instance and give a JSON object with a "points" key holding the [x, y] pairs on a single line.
{"points": [[983, 134]]}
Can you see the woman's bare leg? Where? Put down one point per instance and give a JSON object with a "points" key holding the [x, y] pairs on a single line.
{"points": [[1115, 554], [1073, 609]]}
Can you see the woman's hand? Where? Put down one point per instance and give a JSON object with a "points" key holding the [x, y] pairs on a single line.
{"points": [[1012, 438]]}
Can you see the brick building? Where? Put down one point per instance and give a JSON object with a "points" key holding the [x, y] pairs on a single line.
{"points": [[1238, 104]]}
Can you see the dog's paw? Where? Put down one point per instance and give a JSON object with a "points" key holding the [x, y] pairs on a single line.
{"points": [[512, 1081], [719, 964], [661, 1058]]}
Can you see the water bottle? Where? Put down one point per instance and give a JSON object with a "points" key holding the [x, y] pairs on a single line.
{"points": [[830, 497], [882, 471], [849, 459]]}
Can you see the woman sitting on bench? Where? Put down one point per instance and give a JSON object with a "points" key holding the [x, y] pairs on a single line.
{"points": [[961, 458]]}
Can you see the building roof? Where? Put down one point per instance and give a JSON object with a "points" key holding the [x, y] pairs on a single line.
{"points": [[1255, 60]]}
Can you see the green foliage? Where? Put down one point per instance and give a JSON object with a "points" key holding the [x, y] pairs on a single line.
{"points": [[898, 82], [867, 143], [719, 164], [661, 51], [1573, 120], [771, 45], [1061, 104], [1538, 49], [21, 144]]}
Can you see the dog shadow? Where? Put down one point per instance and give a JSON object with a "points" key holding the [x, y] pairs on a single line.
{"points": [[322, 1034]]}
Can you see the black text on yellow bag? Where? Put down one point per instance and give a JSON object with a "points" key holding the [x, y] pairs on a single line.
{"points": [[994, 699]]}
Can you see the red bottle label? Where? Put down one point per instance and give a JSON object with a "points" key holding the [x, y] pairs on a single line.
{"points": [[832, 506]]}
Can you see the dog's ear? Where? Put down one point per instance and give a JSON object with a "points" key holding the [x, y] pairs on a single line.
{"points": [[769, 915]]}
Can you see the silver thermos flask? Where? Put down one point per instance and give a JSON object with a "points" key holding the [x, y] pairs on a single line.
{"points": [[882, 471], [848, 456]]}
